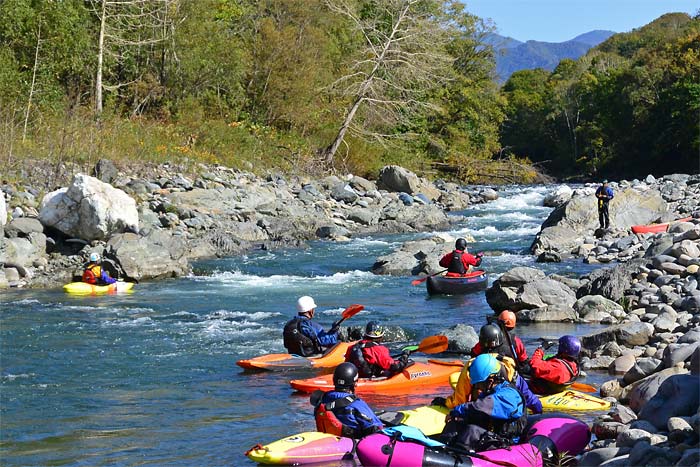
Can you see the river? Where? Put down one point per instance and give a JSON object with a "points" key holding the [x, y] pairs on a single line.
{"points": [[149, 378]]}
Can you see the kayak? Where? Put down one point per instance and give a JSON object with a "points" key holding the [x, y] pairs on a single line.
{"points": [[309, 447], [284, 361], [545, 437], [656, 228], [83, 288], [420, 375], [564, 400], [573, 400], [312, 446], [469, 283]]}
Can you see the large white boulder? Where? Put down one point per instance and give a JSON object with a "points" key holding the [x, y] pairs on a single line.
{"points": [[3, 209], [89, 209]]}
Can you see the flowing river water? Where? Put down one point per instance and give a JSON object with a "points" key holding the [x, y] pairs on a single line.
{"points": [[149, 378]]}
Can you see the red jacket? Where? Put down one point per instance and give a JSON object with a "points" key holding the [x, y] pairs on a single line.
{"points": [[467, 260], [556, 370], [520, 351], [374, 355]]}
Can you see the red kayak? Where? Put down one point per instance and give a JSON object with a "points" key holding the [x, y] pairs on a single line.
{"points": [[417, 377], [656, 228]]}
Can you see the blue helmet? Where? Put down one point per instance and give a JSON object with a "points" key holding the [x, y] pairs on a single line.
{"points": [[569, 346], [482, 367]]}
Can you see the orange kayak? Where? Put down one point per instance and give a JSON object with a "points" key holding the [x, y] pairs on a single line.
{"points": [[284, 361], [656, 228], [420, 375]]}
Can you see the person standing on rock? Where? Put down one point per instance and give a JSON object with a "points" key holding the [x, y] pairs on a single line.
{"points": [[371, 357], [604, 194], [459, 261], [305, 337], [94, 273], [556, 374]]}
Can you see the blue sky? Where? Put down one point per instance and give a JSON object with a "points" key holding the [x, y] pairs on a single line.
{"points": [[561, 20]]}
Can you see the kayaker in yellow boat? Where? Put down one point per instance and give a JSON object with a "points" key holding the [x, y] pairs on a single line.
{"points": [[341, 412], [94, 273], [494, 418], [459, 261], [490, 337], [305, 337], [371, 357]]}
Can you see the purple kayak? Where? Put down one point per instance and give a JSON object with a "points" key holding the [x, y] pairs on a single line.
{"points": [[545, 437]]}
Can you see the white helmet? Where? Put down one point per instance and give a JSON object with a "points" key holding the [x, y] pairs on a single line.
{"points": [[94, 256], [305, 304]]}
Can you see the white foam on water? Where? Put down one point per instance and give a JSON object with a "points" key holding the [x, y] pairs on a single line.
{"points": [[531, 198], [230, 315], [239, 279], [491, 231], [11, 377], [129, 323]]}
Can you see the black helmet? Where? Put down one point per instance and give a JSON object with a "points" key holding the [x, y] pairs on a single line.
{"points": [[345, 376], [461, 244], [490, 336], [373, 330]]}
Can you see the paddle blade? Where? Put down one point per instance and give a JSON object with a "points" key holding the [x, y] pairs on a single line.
{"points": [[583, 387], [352, 310], [433, 344], [419, 281]]}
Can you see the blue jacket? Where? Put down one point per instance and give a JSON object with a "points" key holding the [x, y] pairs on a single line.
{"points": [[531, 400], [357, 415], [607, 191], [503, 403], [315, 331]]}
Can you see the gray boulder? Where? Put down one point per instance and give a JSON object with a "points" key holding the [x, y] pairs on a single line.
{"points": [[89, 209], [590, 307], [558, 197], [3, 210], [611, 282], [552, 313], [676, 396], [461, 338], [155, 256], [23, 227], [642, 391]]}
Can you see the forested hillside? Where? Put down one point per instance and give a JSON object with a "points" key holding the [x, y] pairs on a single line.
{"points": [[629, 107], [317, 85], [296, 85]]}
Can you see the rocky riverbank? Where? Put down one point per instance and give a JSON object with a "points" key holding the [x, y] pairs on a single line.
{"points": [[154, 226]]}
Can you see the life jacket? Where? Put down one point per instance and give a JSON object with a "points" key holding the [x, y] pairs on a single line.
{"points": [[92, 273], [504, 432], [548, 387], [357, 358], [456, 266], [296, 342], [326, 419]]}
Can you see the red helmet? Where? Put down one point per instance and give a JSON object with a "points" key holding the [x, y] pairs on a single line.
{"points": [[508, 318]]}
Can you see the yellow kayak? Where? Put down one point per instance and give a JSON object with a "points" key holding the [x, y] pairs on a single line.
{"points": [[565, 400], [83, 288]]}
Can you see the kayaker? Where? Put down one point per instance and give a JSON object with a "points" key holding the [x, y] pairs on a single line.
{"points": [[604, 194], [304, 337], [94, 273], [341, 412], [495, 417], [459, 261], [371, 357], [556, 374], [506, 323]]}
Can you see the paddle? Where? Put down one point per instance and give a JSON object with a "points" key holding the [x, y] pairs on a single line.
{"points": [[576, 396], [429, 345], [349, 312], [423, 279]]}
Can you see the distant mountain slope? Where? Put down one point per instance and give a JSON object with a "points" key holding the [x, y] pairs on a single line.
{"points": [[512, 55]]}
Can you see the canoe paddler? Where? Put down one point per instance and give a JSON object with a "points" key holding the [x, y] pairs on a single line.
{"points": [[459, 261], [304, 337]]}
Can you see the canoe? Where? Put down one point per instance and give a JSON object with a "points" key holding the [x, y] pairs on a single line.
{"points": [[565, 400], [573, 400], [656, 228], [284, 361], [83, 288], [312, 446], [472, 282], [419, 376], [545, 437]]}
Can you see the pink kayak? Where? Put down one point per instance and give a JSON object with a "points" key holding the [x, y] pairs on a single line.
{"points": [[545, 437]]}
